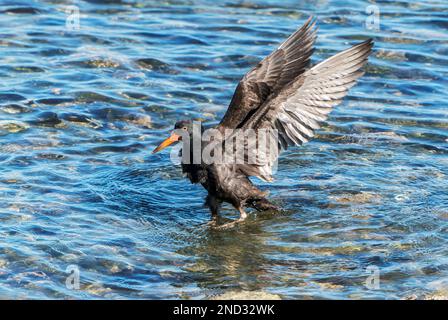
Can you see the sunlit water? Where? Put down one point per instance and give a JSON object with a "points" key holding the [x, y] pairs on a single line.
{"points": [[80, 111]]}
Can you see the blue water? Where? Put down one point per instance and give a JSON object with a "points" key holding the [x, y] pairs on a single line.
{"points": [[81, 110]]}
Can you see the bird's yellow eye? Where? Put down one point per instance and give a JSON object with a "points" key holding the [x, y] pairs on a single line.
{"points": [[184, 128]]}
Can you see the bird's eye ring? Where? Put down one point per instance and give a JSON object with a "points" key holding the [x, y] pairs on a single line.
{"points": [[184, 128]]}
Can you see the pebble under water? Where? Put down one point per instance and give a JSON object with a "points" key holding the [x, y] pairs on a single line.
{"points": [[81, 110]]}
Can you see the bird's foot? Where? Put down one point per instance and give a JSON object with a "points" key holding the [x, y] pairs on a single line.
{"points": [[213, 222], [243, 217], [229, 225]]}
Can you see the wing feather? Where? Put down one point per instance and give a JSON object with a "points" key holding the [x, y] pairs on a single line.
{"points": [[297, 110], [271, 75]]}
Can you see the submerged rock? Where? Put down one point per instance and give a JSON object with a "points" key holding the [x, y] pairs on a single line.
{"points": [[14, 108], [155, 65], [96, 289], [437, 295], [363, 197], [22, 10], [247, 295], [8, 126], [11, 97], [437, 290], [440, 295], [47, 119], [81, 119], [101, 63]]}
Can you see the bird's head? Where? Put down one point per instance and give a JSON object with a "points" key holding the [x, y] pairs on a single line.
{"points": [[185, 125], [182, 128]]}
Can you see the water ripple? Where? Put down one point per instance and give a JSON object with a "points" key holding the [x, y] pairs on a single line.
{"points": [[80, 111]]}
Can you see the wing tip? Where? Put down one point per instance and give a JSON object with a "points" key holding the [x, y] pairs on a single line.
{"points": [[310, 24], [368, 44], [306, 32], [366, 47], [311, 20]]}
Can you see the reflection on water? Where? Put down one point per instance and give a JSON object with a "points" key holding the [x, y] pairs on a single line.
{"points": [[80, 111]]}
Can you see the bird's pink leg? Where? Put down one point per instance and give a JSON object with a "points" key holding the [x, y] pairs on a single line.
{"points": [[243, 216]]}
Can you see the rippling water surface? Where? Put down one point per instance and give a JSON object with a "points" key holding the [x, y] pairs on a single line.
{"points": [[80, 111]]}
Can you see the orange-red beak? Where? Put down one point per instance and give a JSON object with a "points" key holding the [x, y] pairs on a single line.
{"points": [[167, 142]]}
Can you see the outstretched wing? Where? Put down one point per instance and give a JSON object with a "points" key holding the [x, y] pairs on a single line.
{"points": [[270, 75], [296, 112]]}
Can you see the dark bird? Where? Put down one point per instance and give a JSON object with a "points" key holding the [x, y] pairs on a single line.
{"points": [[281, 94]]}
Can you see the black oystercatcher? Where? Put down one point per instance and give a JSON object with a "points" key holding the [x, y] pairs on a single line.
{"points": [[280, 94]]}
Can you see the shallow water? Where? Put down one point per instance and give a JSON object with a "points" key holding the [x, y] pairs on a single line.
{"points": [[80, 111]]}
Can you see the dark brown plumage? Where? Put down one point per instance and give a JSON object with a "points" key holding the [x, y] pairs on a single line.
{"points": [[281, 95]]}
